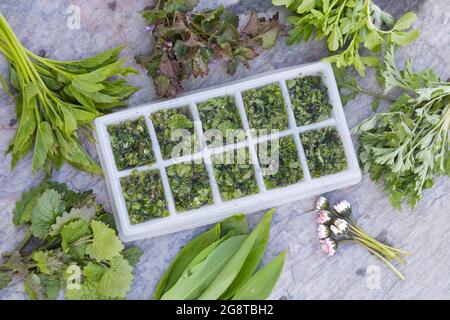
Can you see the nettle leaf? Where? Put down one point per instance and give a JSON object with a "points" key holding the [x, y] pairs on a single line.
{"points": [[43, 146], [85, 213], [48, 207], [5, 278], [47, 262], [132, 255], [42, 287], [105, 244], [24, 207]]}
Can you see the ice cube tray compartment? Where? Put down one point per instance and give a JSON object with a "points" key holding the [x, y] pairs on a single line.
{"points": [[220, 209]]}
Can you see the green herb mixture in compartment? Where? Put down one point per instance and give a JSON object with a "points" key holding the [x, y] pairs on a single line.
{"points": [[190, 185], [324, 151], [234, 174], [280, 162], [131, 144], [221, 114], [175, 132], [309, 99], [265, 108], [144, 196]]}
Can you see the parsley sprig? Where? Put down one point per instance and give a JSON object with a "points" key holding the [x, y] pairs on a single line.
{"points": [[408, 145]]}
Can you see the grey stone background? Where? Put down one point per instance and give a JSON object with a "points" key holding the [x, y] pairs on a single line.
{"points": [[308, 274]]}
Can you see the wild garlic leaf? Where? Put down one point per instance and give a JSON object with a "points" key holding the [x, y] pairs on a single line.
{"points": [[48, 207], [105, 243]]}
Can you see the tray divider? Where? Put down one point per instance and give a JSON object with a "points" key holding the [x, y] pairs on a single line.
{"points": [[251, 143], [293, 127], [206, 153], [162, 169]]}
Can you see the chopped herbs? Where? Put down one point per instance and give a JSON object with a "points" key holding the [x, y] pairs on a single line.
{"points": [[309, 100], [280, 162], [131, 144], [324, 151], [265, 108], [221, 114], [234, 174], [144, 196], [190, 185], [175, 132]]}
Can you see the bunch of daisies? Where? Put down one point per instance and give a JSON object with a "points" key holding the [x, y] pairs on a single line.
{"points": [[336, 226]]}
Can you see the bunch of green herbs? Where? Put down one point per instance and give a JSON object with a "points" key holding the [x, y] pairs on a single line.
{"points": [[408, 145], [131, 144], [324, 151], [309, 99], [280, 162], [144, 196], [265, 108], [190, 186], [187, 42], [235, 174], [221, 114], [175, 132], [55, 98], [70, 244], [221, 264], [348, 26]]}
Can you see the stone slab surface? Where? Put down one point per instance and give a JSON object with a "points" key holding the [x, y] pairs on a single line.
{"points": [[308, 274]]}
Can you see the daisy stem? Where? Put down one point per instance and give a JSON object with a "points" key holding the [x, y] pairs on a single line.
{"points": [[390, 265]]}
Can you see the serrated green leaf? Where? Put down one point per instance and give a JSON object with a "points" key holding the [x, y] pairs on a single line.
{"points": [[74, 231], [116, 281], [94, 272], [132, 255], [105, 244], [48, 207], [47, 262], [24, 207], [43, 145], [85, 213]]}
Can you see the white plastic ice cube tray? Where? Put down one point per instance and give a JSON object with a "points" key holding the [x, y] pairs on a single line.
{"points": [[222, 209]]}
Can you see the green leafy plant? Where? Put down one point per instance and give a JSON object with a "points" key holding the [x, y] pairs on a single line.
{"points": [[222, 263], [234, 174], [280, 162], [221, 114], [187, 41], [265, 108], [324, 151], [190, 187], [175, 132], [144, 196], [348, 26], [408, 145], [309, 99], [55, 98], [131, 144], [70, 244]]}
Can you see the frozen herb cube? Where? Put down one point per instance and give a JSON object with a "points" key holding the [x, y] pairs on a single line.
{"points": [[234, 174], [309, 99], [280, 162], [221, 120], [190, 185], [131, 144], [265, 108], [175, 132], [144, 196], [324, 151]]}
